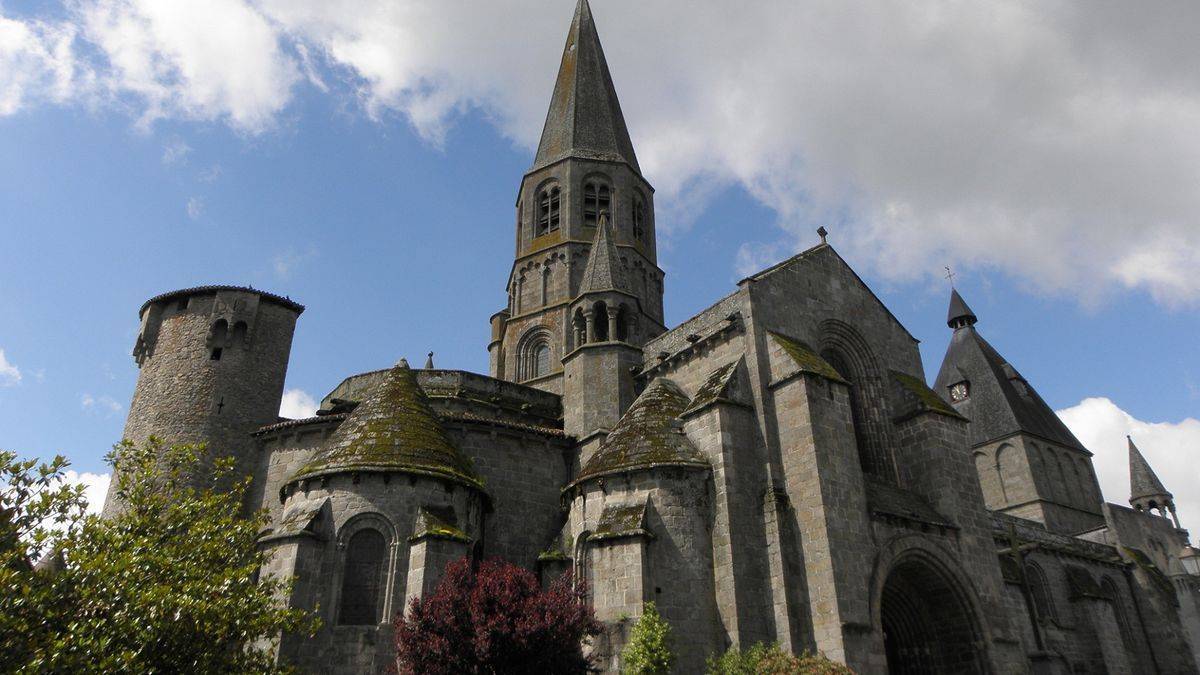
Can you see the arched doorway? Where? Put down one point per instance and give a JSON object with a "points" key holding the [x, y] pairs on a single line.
{"points": [[928, 625]]}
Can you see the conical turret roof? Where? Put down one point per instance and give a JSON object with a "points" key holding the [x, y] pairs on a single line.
{"points": [[960, 314], [648, 435], [603, 271], [585, 117], [1142, 480], [393, 429]]}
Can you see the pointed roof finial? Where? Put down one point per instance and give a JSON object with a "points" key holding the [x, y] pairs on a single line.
{"points": [[960, 315], [1143, 483], [823, 233], [402, 363], [603, 271], [584, 119], [429, 361]]}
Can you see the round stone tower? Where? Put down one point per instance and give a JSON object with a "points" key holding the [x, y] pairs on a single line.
{"points": [[212, 364]]}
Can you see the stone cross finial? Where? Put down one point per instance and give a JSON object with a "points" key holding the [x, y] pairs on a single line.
{"points": [[822, 233], [429, 361], [950, 275]]}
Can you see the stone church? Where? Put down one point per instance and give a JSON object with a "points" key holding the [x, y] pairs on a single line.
{"points": [[775, 468]]}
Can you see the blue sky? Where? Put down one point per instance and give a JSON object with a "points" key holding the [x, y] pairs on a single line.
{"points": [[381, 197]]}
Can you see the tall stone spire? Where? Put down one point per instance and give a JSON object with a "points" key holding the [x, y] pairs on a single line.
{"points": [[1146, 491], [585, 117], [1142, 481], [603, 271]]}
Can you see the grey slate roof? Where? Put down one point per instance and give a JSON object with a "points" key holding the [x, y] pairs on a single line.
{"points": [[648, 435], [1000, 402], [603, 271], [959, 310], [1142, 480], [585, 117]]}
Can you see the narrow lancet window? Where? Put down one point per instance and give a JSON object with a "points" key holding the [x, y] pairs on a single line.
{"points": [[363, 579], [639, 218], [597, 199], [548, 211]]}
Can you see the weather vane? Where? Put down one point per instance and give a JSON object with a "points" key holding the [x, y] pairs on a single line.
{"points": [[950, 275]]}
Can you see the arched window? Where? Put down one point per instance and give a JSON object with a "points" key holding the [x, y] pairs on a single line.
{"points": [[217, 339], [600, 317], [548, 211], [363, 579], [1118, 604], [583, 566], [1043, 602], [597, 199], [533, 356], [639, 218]]}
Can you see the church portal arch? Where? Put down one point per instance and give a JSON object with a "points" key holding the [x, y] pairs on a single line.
{"points": [[927, 613]]}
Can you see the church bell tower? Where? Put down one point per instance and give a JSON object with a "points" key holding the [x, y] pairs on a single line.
{"points": [[583, 197]]}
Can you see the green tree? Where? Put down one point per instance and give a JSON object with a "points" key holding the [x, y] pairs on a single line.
{"points": [[649, 649], [765, 659], [167, 585]]}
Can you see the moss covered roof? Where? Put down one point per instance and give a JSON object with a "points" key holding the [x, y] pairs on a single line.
{"points": [[808, 360], [716, 386], [393, 429], [920, 397], [437, 523], [620, 520], [649, 434]]}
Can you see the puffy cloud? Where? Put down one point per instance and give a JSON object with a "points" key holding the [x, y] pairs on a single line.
{"points": [[176, 151], [297, 404], [1058, 142], [1172, 448], [95, 487], [10, 374], [285, 263], [195, 207]]}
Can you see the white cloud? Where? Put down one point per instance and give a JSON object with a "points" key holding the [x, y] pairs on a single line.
{"points": [[297, 404], [103, 405], [176, 150], [10, 374], [285, 263], [195, 207], [1058, 142], [1172, 448], [95, 487]]}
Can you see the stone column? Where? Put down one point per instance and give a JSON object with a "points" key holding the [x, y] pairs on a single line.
{"points": [[589, 316], [612, 322]]}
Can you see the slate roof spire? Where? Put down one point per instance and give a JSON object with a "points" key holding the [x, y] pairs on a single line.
{"points": [[1143, 484], [585, 117], [603, 271], [960, 315]]}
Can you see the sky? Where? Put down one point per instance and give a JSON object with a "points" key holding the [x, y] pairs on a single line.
{"points": [[363, 159]]}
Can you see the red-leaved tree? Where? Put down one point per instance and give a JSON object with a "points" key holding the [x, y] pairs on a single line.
{"points": [[495, 618]]}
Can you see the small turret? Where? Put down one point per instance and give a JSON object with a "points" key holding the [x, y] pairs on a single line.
{"points": [[1146, 491], [960, 315]]}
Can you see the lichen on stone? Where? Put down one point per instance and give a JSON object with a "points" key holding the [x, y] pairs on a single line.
{"points": [[649, 434], [437, 523], [920, 396], [393, 429], [804, 357], [621, 520], [716, 386]]}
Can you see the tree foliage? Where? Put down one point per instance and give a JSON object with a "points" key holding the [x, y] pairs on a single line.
{"points": [[169, 584], [765, 659], [495, 618], [649, 649]]}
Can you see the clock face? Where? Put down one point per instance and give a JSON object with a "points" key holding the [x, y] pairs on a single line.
{"points": [[958, 392]]}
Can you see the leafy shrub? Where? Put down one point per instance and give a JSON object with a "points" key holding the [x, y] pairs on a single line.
{"points": [[495, 619], [649, 649], [166, 585], [764, 659]]}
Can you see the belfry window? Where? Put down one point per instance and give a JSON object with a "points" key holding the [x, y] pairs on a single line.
{"points": [[363, 579], [639, 218], [548, 211], [597, 199], [533, 356]]}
